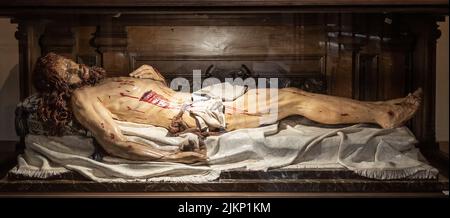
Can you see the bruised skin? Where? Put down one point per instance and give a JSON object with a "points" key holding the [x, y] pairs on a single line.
{"points": [[124, 98]]}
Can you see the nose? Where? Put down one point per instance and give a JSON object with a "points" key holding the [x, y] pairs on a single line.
{"points": [[84, 71]]}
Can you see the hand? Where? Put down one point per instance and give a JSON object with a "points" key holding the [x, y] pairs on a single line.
{"points": [[147, 72]]}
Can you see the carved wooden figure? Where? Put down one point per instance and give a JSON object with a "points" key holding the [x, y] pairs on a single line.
{"points": [[145, 98]]}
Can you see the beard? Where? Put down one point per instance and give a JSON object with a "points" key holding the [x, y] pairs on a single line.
{"points": [[94, 76]]}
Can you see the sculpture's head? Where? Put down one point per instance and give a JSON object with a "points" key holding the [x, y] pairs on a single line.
{"points": [[55, 72], [55, 77]]}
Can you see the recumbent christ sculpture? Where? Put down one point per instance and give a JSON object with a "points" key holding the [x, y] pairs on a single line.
{"points": [[72, 91]]}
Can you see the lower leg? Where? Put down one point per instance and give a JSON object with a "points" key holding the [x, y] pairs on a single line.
{"points": [[332, 110], [338, 110]]}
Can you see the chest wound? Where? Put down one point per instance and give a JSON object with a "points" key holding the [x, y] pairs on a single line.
{"points": [[155, 99]]}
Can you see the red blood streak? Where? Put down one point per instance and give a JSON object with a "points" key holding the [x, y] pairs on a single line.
{"points": [[124, 81], [391, 113], [112, 136], [129, 108], [126, 84], [125, 95]]}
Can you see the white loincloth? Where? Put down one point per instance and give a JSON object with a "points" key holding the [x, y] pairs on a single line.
{"points": [[207, 106], [209, 114]]}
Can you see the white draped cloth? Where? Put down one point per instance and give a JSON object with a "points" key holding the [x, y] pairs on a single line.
{"points": [[370, 152]]}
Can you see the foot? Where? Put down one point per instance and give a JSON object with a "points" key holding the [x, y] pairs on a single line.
{"points": [[396, 112]]}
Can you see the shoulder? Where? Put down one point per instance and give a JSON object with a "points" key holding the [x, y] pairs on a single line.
{"points": [[77, 94]]}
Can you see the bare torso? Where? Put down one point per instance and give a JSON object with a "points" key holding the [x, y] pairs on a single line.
{"points": [[139, 100]]}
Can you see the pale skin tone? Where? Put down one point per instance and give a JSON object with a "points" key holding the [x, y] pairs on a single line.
{"points": [[96, 107]]}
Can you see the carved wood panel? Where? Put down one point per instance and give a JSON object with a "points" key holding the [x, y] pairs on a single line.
{"points": [[226, 40], [307, 72], [368, 79], [294, 53]]}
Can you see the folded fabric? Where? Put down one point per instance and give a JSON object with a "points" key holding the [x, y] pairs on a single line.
{"points": [[156, 136], [368, 151], [209, 114], [207, 104], [75, 153]]}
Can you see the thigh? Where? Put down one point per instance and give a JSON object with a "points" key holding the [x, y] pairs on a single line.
{"points": [[241, 120], [254, 101]]}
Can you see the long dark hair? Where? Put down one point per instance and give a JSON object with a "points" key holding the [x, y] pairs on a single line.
{"points": [[54, 108]]}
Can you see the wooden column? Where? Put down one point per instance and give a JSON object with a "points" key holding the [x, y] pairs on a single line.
{"points": [[25, 64], [384, 65], [58, 38], [424, 75], [24, 67], [27, 34], [343, 47], [110, 40]]}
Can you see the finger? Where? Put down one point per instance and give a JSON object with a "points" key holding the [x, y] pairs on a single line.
{"points": [[148, 68], [143, 72], [147, 76], [139, 71], [135, 72]]}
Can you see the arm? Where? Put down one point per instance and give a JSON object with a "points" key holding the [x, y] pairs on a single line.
{"points": [[95, 117], [148, 72]]}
